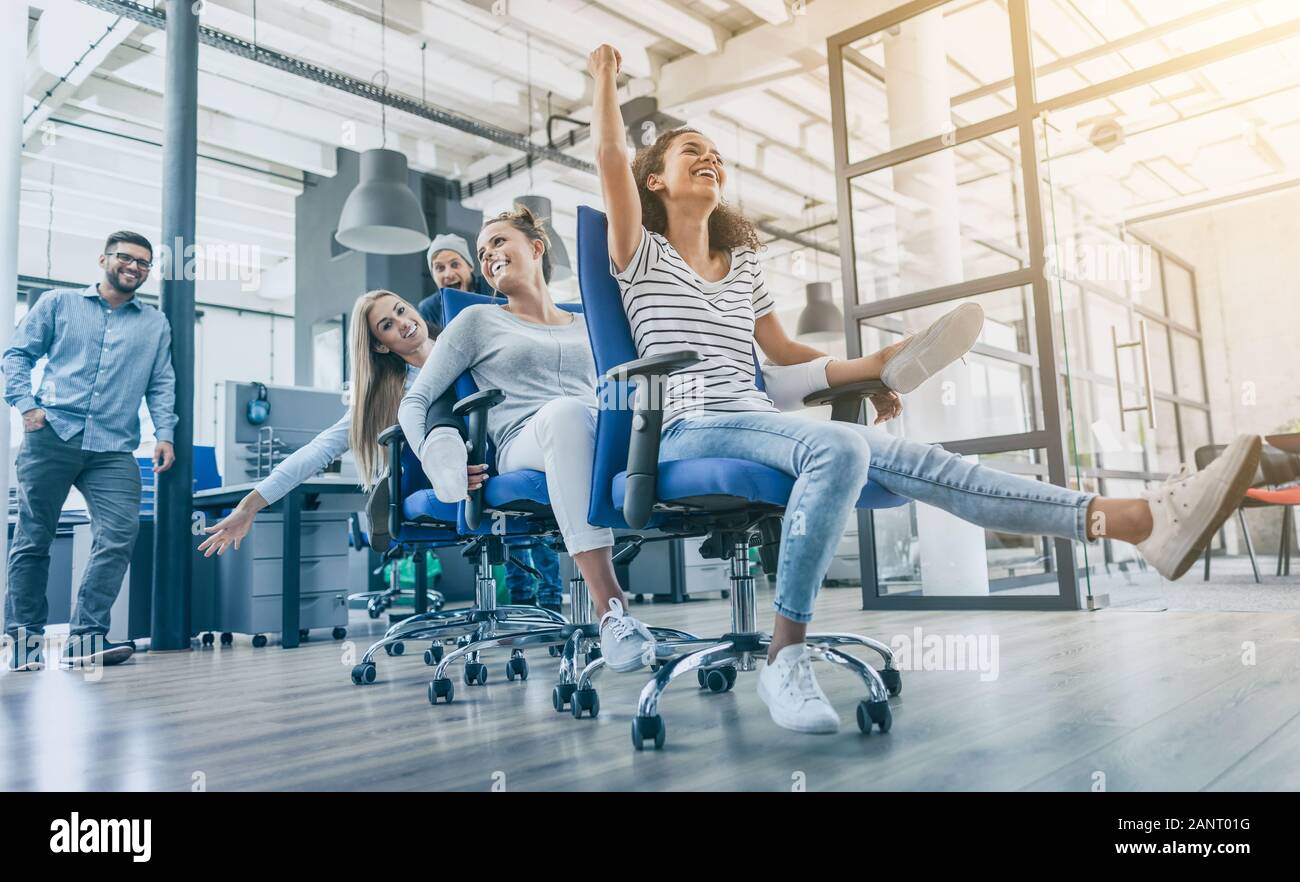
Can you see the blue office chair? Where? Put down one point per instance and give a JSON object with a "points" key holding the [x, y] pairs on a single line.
{"points": [[435, 527], [733, 500], [377, 602], [512, 508]]}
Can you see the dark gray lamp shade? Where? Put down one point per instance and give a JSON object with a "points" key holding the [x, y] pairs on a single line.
{"points": [[382, 215], [821, 320], [540, 206]]}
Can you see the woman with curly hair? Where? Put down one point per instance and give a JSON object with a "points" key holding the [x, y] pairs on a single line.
{"points": [[689, 276]]}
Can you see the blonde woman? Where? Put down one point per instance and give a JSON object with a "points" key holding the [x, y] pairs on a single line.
{"points": [[389, 343]]}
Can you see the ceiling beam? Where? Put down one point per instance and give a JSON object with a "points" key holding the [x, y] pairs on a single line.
{"points": [[343, 82], [673, 22], [763, 55], [771, 11], [70, 42], [577, 33]]}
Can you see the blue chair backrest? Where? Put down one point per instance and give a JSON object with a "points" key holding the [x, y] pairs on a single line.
{"points": [[455, 301], [612, 345], [205, 468]]}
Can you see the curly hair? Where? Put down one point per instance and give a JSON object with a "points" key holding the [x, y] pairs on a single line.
{"points": [[728, 228], [532, 226]]}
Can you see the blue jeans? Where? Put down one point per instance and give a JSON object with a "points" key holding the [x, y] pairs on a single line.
{"points": [[47, 468], [523, 587], [831, 461]]}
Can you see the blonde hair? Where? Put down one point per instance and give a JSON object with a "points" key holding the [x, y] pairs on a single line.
{"points": [[378, 381]]}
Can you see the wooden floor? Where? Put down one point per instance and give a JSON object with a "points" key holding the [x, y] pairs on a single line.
{"points": [[1151, 700]]}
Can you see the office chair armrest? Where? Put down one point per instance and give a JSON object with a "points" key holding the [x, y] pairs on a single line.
{"points": [[475, 408], [655, 365], [646, 376], [393, 438], [846, 400]]}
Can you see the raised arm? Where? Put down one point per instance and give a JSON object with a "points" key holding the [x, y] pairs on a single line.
{"points": [[622, 204]]}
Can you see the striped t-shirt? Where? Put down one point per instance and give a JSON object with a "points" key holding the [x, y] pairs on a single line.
{"points": [[670, 307]]}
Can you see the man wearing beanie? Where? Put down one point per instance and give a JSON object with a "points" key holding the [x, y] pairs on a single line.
{"points": [[452, 266]]}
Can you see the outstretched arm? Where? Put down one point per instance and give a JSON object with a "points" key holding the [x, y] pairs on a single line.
{"points": [[622, 204]]}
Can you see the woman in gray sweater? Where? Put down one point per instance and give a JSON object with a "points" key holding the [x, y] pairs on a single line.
{"points": [[538, 354]]}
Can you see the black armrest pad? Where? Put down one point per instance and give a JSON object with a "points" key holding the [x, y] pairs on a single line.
{"points": [[481, 400], [859, 390], [389, 435], [655, 365]]}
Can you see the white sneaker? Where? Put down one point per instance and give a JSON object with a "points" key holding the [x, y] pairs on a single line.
{"points": [[626, 643], [932, 350], [1189, 508], [789, 688]]}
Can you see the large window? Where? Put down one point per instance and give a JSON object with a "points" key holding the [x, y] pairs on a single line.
{"points": [[1009, 153]]}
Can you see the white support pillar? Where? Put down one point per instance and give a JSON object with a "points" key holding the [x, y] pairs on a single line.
{"points": [[953, 557], [13, 62]]}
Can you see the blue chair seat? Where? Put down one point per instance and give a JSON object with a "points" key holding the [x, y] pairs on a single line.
{"points": [[739, 479], [424, 504], [523, 485]]}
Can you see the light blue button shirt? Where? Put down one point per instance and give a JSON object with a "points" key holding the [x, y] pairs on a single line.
{"points": [[312, 458], [102, 361]]}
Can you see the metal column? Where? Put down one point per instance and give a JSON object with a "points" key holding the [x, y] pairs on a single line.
{"points": [[13, 58], [173, 540]]}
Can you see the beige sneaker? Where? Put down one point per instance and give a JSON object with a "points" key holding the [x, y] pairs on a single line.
{"points": [[932, 350], [1189, 508]]}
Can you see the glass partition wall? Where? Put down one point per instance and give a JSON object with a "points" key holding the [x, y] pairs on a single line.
{"points": [[999, 151]]}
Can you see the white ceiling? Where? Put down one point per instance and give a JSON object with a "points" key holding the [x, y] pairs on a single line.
{"points": [[748, 72]]}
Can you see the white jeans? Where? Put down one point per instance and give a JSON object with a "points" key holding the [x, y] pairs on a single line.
{"points": [[560, 440]]}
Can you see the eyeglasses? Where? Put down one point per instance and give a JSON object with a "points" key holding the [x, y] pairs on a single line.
{"points": [[126, 259]]}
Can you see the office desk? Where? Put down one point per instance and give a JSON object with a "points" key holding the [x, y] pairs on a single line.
{"points": [[331, 493]]}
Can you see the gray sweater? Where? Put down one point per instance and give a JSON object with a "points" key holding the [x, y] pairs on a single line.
{"points": [[531, 363]]}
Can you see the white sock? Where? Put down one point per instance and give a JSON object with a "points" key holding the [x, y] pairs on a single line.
{"points": [[445, 461]]}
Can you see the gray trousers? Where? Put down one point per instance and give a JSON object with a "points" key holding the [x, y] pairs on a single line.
{"points": [[47, 468]]}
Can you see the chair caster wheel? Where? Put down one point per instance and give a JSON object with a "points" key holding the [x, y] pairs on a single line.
{"points": [[517, 667], [874, 712], [209, 639], [592, 654], [555, 651], [893, 681], [441, 689], [717, 679], [725, 593], [648, 731], [433, 654], [585, 700], [339, 633], [259, 640], [363, 674], [303, 635], [395, 648], [373, 611], [475, 673], [227, 638], [561, 695]]}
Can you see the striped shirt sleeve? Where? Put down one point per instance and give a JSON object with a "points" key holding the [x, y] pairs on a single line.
{"points": [[763, 303], [646, 257]]}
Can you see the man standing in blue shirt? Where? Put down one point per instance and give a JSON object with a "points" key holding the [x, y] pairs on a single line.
{"points": [[106, 351]]}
